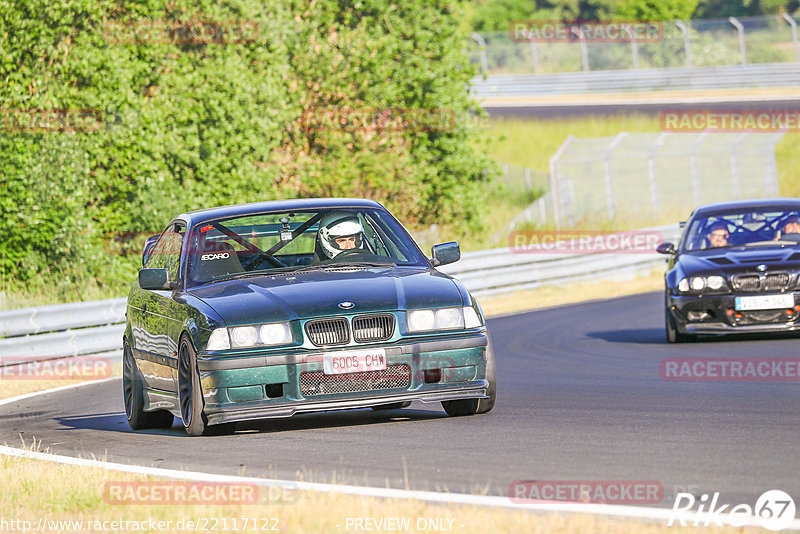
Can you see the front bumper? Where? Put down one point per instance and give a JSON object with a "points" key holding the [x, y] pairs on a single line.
{"points": [[722, 317], [272, 385]]}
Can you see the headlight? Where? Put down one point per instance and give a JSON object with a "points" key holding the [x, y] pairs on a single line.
{"points": [[243, 336], [715, 282], [275, 334], [447, 318], [471, 319], [420, 320], [218, 340], [442, 319], [697, 283], [250, 336]]}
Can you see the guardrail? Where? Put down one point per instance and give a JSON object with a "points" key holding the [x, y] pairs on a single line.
{"points": [[61, 317], [84, 328], [638, 80], [491, 272]]}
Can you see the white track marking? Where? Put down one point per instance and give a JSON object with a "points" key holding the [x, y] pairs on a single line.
{"points": [[12, 400]]}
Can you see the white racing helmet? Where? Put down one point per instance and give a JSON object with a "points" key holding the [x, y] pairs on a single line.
{"points": [[336, 225]]}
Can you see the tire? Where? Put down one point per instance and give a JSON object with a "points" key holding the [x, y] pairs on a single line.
{"points": [[190, 395], [133, 396], [392, 406], [673, 336], [475, 406]]}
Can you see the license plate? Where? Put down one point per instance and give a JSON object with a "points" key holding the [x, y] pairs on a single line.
{"points": [[353, 361], [764, 302]]}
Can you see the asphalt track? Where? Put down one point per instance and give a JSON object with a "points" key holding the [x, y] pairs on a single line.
{"points": [[579, 398]]}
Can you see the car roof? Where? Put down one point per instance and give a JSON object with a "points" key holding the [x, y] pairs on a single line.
{"points": [[755, 204], [208, 214]]}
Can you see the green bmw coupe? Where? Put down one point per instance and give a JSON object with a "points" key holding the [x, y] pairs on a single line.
{"points": [[272, 309]]}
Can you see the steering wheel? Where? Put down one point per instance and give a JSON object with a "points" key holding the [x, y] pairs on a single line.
{"points": [[258, 258], [349, 253]]}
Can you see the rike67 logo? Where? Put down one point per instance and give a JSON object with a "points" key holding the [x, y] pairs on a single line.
{"points": [[774, 510]]}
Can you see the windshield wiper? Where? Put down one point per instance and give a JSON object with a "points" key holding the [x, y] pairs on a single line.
{"points": [[765, 243], [301, 269], [262, 272], [360, 264]]}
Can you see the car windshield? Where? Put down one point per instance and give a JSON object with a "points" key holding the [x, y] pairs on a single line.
{"points": [[293, 240], [774, 227]]}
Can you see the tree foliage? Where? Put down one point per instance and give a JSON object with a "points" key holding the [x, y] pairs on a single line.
{"points": [[186, 125], [656, 9], [496, 15]]}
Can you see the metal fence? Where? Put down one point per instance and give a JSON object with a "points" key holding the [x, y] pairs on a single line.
{"points": [[692, 43], [760, 76], [641, 177], [519, 182]]}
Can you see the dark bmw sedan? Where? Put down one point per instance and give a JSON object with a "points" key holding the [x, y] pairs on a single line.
{"points": [[735, 270], [277, 308]]}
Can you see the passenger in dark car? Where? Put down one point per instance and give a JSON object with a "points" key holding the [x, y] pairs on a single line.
{"points": [[790, 231]]}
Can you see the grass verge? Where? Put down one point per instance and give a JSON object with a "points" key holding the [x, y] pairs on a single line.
{"points": [[55, 494], [531, 142]]}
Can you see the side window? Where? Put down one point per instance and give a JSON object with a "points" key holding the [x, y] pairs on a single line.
{"points": [[166, 252], [156, 258], [390, 238], [372, 236], [172, 261]]}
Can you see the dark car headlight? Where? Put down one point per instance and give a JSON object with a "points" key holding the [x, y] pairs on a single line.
{"points": [[696, 284]]}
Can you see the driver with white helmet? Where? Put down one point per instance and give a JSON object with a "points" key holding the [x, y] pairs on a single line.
{"points": [[339, 231]]}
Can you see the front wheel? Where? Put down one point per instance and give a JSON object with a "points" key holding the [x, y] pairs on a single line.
{"points": [[476, 406], [673, 336], [133, 395], [190, 395]]}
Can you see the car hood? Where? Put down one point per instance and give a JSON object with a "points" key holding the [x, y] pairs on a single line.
{"points": [[741, 259], [284, 297]]}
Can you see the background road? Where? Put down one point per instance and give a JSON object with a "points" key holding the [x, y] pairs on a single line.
{"points": [[590, 105], [579, 398]]}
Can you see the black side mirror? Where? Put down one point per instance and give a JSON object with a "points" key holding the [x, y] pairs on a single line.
{"points": [[154, 279], [666, 248], [445, 253], [148, 246]]}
